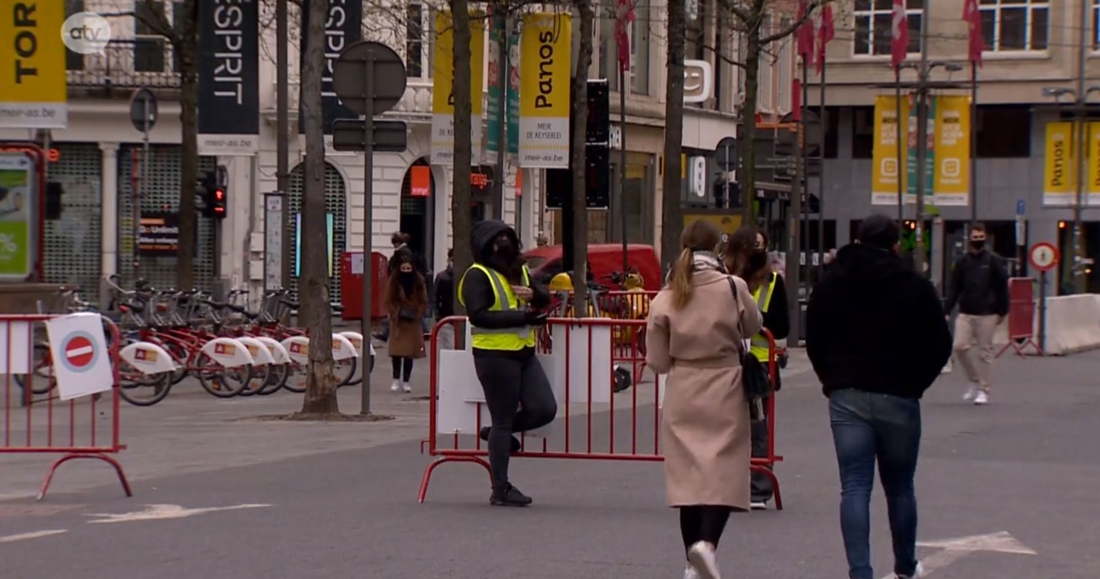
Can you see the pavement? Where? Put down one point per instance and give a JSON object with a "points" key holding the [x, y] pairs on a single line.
{"points": [[1006, 491]]}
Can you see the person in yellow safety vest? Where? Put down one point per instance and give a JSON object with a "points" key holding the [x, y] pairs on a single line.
{"points": [[503, 301], [746, 256]]}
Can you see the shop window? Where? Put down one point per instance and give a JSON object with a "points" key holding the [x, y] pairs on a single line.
{"points": [[1003, 132], [863, 132]]}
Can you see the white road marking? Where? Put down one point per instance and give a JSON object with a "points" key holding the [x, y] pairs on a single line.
{"points": [[160, 512], [34, 535], [955, 549]]}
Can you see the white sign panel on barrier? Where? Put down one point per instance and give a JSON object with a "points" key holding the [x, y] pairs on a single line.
{"points": [[82, 363], [15, 347], [461, 393], [586, 352]]}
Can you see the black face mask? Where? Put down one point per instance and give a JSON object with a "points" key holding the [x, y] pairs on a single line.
{"points": [[758, 258], [507, 250], [977, 244], [406, 278]]}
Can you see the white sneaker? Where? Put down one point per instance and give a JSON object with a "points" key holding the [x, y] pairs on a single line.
{"points": [[691, 573], [759, 505], [704, 561], [396, 386], [919, 572], [406, 387], [971, 394], [981, 399]]}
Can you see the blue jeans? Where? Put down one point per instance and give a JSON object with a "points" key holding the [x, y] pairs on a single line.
{"points": [[866, 427]]}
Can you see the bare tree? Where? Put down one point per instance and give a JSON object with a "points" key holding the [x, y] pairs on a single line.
{"points": [[320, 396], [184, 40], [579, 133], [463, 157], [671, 221]]}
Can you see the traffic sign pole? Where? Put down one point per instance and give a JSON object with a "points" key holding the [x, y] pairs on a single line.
{"points": [[1043, 257]]}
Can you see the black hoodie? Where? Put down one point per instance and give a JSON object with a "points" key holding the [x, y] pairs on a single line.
{"points": [[477, 291], [874, 325]]}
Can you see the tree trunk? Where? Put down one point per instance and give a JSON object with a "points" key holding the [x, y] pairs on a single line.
{"points": [[672, 220], [187, 50], [313, 291], [580, 182], [747, 174], [463, 158]]}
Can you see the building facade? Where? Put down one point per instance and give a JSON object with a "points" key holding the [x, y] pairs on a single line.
{"points": [[1031, 46]]}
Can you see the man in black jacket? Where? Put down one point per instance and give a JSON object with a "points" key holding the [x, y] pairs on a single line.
{"points": [[877, 339], [979, 285], [443, 294]]}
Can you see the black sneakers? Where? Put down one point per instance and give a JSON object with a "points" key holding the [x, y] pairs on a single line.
{"points": [[484, 435], [508, 496]]}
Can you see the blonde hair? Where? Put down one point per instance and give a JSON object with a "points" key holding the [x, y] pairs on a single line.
{"points": [[699, 235]]}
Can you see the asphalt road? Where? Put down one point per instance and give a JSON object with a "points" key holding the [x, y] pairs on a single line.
{"points": [[339, 500]]}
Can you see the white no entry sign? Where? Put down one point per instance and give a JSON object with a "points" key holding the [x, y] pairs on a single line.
{"points": [[78, 347], [1044, 256]]}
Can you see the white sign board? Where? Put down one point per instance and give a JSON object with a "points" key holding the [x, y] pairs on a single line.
{"points": [[78, 348], [15, 347]]}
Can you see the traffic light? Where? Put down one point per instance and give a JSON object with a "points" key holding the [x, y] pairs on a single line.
{"points": [[213, 196], [217, 203]]}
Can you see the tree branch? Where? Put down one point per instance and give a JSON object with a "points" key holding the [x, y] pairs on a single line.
{"points": [[790, 29]]}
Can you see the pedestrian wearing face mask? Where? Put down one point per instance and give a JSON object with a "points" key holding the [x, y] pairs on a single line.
{"points": [[502, 301], [979, 286], [746, 256], [406, 301]]}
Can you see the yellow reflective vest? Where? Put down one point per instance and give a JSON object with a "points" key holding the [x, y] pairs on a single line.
{"points": [[504, 299], [759, 343]]}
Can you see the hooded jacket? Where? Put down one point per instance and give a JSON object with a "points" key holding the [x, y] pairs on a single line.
{"points": [[979, 285], [875, 325], [477, 290]]}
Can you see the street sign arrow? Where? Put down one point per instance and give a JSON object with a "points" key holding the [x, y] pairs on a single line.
{"points": [[954, 549]]}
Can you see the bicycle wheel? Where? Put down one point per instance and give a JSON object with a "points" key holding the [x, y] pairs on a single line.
{"points": [[42, 370], [276, 379], [343, 371], [258, 380], [180, 353], [296, 378], [219, 381], [140, 389]]}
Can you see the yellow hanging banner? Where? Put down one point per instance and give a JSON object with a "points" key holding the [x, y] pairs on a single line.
{"points": [[1092, 188], [546, 63], [886, 171], [1059, 165], [952, 175], [443, 75], [33, 81]]}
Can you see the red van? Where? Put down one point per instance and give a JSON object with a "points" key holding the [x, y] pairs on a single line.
{"points": [[604, 259]]}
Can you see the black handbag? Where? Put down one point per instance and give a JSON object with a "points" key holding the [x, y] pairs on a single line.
{"points": [[754, 374], [406, 314]]}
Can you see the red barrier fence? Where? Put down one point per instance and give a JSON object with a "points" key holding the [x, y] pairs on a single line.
{"points": [[585, 361], [1021, 317], [35, 420]]}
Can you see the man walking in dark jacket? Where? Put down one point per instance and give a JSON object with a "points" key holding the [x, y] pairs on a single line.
{"points": [[979, 285], [877, 340], [444, 295]]}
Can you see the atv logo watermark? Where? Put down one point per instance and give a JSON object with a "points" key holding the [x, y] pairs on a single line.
{"points": [[86, 33]]}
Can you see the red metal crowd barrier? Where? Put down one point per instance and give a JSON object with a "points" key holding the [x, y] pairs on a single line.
{"points": [[36, 421], [1021, 317], [603, 435]]}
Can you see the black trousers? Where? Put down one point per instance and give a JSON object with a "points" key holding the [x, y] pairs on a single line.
{"points": [[402, 368], [511, 382], [703, 523]]}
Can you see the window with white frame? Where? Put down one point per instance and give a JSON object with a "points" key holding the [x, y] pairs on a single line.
{"points": [[639, 38], [874, 26], [639, 49], [1015, 25], [786, 69], [765, 75], [150, 47], [419, 24]]}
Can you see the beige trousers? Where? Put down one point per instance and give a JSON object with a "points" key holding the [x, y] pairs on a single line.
{"points": [[971, 331]]}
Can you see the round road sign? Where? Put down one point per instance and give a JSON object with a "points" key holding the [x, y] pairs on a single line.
{"points": [[79, 352], [1044, 256], [143, 110], [349, 77]]}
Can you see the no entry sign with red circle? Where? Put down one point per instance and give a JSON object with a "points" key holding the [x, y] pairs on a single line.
{"points": [[80, 352]]}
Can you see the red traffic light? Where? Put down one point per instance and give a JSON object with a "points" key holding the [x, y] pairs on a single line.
{"points": [[219, 195]]}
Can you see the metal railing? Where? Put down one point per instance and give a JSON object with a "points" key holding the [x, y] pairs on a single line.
{"points": [[142, 62]]}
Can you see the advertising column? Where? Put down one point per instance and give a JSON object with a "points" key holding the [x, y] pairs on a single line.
{"points": [[443, 101], [544, 91], [33, 85], [889, 135], [229, 74]]}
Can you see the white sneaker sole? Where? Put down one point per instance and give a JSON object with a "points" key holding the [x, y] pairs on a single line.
{"points": [[703, 559]]}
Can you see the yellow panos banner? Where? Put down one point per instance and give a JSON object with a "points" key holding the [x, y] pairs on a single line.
{"points": [[1059, 165], [546, 61], [33, 83], [951, 185], [1092, 190], [888, 173], [443, 74]]}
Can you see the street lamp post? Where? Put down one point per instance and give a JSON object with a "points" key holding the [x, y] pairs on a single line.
{"points": [[1080, 148]]}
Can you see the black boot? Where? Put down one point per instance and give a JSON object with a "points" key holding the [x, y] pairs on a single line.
{"points": [[507, 495], [484, 435]]}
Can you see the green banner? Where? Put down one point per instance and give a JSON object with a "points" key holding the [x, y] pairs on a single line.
{"points": [[18, 199], [930, 158], [496, 76]]}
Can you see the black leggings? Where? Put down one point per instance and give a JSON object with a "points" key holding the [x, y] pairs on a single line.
{"points": [[510, 383], [400, 364], [703, 523]]}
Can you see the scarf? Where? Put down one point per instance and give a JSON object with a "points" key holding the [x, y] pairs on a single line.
{"points": [[706, 260]]}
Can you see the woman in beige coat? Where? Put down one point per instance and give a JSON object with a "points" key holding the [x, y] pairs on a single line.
{"points": [[697, 327]]}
